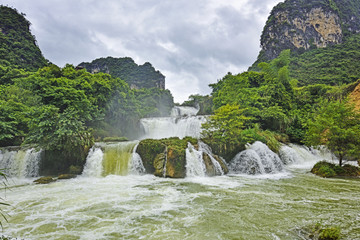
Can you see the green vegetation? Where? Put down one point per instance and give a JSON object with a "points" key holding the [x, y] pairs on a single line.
{"points": [[170, 151], [337, 126], [321, 232], [334, 65], [268, 106], [326, 169], [64, 110], [203, 103], [143, 76], [17, 46]]}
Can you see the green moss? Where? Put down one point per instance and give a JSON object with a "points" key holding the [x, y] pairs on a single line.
{"points": [[152, 153], [325, 169], [329, 233]]}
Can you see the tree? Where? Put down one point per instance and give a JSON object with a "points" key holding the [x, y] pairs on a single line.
{"points": [[337, 126]]}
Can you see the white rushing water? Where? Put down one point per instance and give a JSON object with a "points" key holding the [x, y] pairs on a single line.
{"points": [[20, 163], [178, 111], [182, 122], [195, 166], [256, 159], [113, 159], [93, 166], [297, 156], [207, 150]]}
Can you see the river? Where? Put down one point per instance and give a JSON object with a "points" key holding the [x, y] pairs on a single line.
{"points": [[113, 199]]}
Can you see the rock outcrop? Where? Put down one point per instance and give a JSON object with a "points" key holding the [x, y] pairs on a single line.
{"points": [[302, 25], [137, 76], [167, 157]]}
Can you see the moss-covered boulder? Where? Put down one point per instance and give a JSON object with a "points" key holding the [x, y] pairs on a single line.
{"points": [[149, 149], [327, 170], [44, 180], [165, 157], [176, 162]]}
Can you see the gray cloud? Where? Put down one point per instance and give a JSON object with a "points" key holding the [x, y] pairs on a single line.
{"points": [[193, 43]]}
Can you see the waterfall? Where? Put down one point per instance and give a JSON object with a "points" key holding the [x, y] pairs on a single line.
{"points": [[21, 163], [256, 159], [195, 166], [182, 122], [178, 111], [305, 157], [93, 166], [206, 149], [136, 164], [113, 159]]}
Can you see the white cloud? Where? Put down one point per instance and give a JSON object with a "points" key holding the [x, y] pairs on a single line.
{"points": [[193, 43]]}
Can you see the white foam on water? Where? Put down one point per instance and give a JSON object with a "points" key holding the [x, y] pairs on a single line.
{"points": [[93, 166], [195, 166], [256, 159]]}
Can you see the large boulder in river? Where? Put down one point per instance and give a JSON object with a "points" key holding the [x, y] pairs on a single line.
{"points": [[165, 157], [175, 162]]}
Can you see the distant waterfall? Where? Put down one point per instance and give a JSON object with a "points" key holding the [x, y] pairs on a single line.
{"points": [[21, 163], [256, 159], [183, 111], [182, 123], [113, 159]]}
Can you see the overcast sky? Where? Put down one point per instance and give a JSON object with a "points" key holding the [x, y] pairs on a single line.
{"points": [[192, 42]]}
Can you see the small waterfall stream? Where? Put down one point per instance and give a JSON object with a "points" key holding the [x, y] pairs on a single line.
{"points": [[195, 166], [20, 163]]}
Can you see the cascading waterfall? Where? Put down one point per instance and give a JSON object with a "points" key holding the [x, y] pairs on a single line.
{"points": [[93, 166], [256, 159], [113, 159], [182, 123], [206, 149], [195, 166], [116, 158], [136, 165], [21, 163], [304, 157]]}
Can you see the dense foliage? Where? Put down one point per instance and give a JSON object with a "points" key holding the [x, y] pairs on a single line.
{"points": [[60, 108], [335, 65], [143, 76]]}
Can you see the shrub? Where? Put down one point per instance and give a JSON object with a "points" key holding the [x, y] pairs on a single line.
{"points": [[329, 233]]}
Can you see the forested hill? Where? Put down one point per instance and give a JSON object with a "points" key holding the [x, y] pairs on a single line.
{"points": [[137, 76], [323, 36], [17, 46]]}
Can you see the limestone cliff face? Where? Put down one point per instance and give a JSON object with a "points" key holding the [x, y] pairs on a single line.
{"points": [[301, 25]]}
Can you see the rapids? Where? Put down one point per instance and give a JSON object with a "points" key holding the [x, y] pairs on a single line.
{"points": [[265, 196], [270, 206]]}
